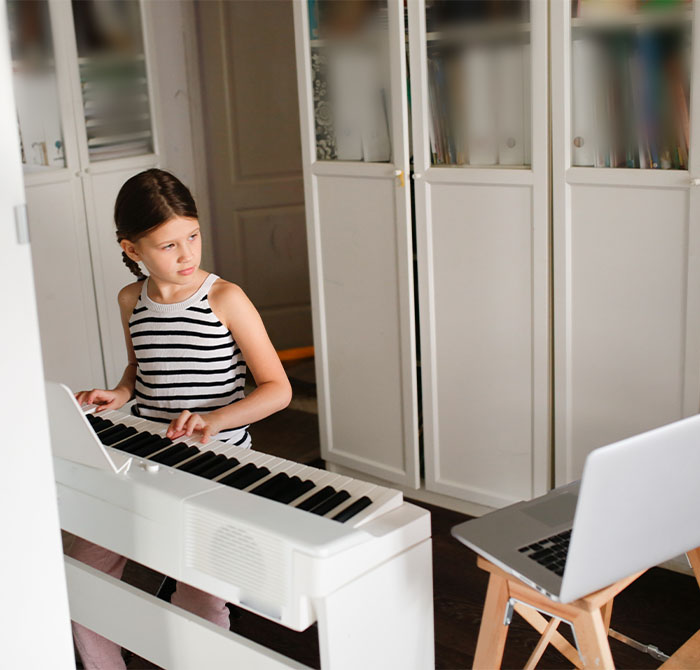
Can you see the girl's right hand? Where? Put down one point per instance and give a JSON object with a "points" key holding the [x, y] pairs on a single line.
{"points": [[103, 398]]}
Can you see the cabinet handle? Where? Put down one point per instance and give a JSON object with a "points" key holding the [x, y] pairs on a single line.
{"points": [[399, 175]]}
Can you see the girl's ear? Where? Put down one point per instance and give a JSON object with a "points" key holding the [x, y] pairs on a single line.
{"points": [[130, 250]]}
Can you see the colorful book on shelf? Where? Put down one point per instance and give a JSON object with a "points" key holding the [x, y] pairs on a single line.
{"points": [[604, 8], [313, 19], [639, 123], [650, 76]]}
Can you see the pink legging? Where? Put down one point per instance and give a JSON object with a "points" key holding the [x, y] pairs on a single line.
{"points": [[99, 653]]}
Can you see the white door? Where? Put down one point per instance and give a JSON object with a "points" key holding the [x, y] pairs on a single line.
{"points": [[359, 233], [626, 252], [31, 567], [480, 128]]}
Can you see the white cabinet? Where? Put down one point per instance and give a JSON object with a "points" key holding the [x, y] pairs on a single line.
{"points": [[359, 236], [558, 300], [482, 239], [626, 244], [92, 59]]}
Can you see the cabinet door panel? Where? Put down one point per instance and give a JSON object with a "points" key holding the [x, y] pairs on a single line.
{"points": [[482, 297], [362, 320], [70, 336], [627, 312]]}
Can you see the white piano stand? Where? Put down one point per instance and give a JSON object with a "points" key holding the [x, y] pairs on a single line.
{"points": [[382, 620]]}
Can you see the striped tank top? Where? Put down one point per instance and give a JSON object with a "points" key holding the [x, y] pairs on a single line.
{"points": [[186, 359]]}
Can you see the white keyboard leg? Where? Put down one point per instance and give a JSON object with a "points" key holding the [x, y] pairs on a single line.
{"points": [[383, 619]]}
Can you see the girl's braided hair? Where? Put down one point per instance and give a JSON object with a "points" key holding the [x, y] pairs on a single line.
{"points": [[146, 201]]}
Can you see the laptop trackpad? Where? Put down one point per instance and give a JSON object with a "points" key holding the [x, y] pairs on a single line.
{"points": [[554, 511]]}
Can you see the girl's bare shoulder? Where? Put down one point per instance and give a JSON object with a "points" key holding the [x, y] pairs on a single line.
{"points": [[228, 300], [129, 295], [226, 294]]}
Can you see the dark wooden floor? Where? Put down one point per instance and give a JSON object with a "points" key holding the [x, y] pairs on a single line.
{"points": [[661, 608]]}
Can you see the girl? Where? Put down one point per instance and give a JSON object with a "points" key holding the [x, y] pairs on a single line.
{"points": [[189, 336]]}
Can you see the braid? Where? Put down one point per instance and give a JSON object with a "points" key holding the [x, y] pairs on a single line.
{"points": [[133, 266]]}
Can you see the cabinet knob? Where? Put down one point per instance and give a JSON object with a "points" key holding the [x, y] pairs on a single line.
{"points": [[416, 175], [399, 175], [695, 181]]}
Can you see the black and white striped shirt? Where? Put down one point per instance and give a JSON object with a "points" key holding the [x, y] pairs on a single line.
{"points": [[187, 359]]}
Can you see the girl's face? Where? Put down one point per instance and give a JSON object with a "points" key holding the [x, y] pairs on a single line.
{"points": [[171, 252]]}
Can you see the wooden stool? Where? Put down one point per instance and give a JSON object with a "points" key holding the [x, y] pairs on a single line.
{"points": [[589, 616]]}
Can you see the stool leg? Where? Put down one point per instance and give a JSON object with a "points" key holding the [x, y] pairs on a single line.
{"points": [[492, 632], [694, 558], [606, 611], [592, 638]]}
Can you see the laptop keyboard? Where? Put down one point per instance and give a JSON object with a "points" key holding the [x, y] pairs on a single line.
{"points": [[550, 552]]}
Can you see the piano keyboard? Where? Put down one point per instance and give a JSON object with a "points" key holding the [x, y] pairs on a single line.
{"points": [[333, 496]]}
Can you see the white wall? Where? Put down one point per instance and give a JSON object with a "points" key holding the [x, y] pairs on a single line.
{"points": [[34, 620]]}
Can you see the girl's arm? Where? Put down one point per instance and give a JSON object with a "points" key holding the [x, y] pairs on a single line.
{"points": [[273, 391], [124, 390]]}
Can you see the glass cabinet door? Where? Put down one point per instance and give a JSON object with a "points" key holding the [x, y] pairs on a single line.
{"points": [[630, 63], [478, 57], [350, 71], [113, 78], [34, 80]]}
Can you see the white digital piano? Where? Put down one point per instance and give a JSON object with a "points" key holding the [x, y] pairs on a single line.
{"points": [[292, 543]]}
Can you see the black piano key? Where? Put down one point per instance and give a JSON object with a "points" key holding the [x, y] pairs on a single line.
{"points": [[220, 468], [152, 447], [331, 503], [162, 456], [353, 509], [119, 436], [106, 434], [174, 459], [271, 484], [137, 441], [102, 427], [195, 462], [231, 479], [294, 489], [317, 498], [97, 422], [207, 464], [250, 477]]}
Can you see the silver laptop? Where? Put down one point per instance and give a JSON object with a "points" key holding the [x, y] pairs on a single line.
{"points": [[637, 505]]}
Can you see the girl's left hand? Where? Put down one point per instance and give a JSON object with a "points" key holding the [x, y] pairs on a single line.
{"points": [[187, 423]]}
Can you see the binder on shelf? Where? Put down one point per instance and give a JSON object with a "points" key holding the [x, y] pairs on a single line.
{"points": [[636, 86], [509, 103], [527, 103], [478, 94], [376, 146], [585, 101], [344, 90]]}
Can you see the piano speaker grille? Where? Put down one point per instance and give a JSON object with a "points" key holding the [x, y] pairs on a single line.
{"points": [[253, 561]]}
